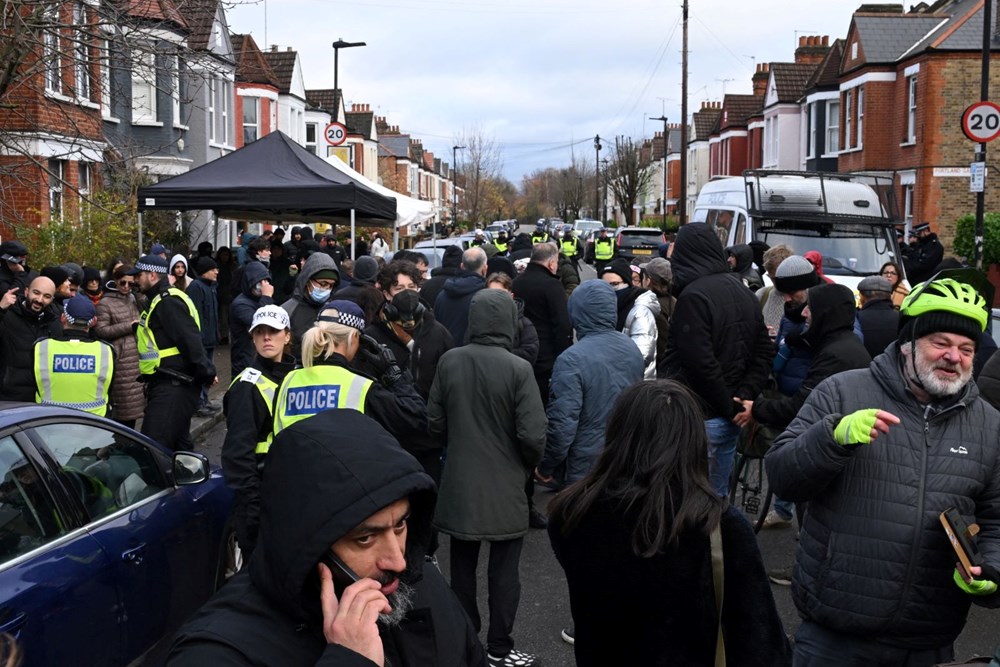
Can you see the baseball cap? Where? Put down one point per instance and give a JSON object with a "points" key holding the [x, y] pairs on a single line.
{"points": [[79, 309], [13, 251], [152, 263], [158, 249], [272, 316]]}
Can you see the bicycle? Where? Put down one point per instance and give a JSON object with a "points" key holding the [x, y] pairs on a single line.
{"points": [[748, 488]]}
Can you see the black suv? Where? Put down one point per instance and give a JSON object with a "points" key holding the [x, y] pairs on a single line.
{"points": [[638, 244]]}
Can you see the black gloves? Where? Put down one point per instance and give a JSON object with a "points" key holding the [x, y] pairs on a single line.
{"points": [[380, 358]]}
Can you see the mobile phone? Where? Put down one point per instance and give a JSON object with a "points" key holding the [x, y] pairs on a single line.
{"points": [[343, 576], [963, 540]]}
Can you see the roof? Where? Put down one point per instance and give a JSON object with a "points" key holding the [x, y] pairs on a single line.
{"points": [[282, 63], [154, 10], [250, 64], [736, 109], [790, 79], [360, 122], [395, 145], [200, 15], [886, 37], [827, 73], [705, 122], [327, 99]]}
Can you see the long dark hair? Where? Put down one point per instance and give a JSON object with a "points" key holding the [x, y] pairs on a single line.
{"points": [[655, 464]]}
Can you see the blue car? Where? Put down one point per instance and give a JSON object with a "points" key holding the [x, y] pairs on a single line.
{"points": [[108, 542]]}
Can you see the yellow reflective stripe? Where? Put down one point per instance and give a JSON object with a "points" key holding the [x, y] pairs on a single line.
{"points": [[351, 391], [149, 352], [70, 388]]}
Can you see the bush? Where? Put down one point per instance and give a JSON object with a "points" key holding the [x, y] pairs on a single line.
{"points": [[965, 235], [657, 222]]}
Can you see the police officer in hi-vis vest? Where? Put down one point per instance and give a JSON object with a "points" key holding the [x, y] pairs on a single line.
{"points": [[249, 419], [602, 251], [570, 246], [74, 370], [328, 381], [172, 359]]}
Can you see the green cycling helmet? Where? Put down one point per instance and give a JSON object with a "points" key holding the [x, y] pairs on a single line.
{"points": [[949, 296]]}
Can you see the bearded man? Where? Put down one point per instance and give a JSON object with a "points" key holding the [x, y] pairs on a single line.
{"points": [[878, 454]]}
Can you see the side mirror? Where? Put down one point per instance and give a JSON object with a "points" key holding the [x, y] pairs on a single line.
{"points": [[190, 468]]}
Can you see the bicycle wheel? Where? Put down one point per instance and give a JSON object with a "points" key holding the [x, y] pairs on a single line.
{"points": [[765, 506], [749, 488], [739, 461]]}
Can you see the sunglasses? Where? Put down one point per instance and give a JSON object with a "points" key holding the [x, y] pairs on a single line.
{"points": [[125, 283]]}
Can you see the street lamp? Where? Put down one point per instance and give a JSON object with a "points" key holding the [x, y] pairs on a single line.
{"points": [[597, 172], [337, 46], [664, 201]]}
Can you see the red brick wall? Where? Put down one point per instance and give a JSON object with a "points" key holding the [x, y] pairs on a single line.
{"points": [[737, 161], [755, 148]]}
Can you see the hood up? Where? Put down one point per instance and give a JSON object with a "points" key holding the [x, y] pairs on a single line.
{"points": [[253, 273], [317, 262], [831, 309], [179, 258], [593, 307], [697, 253], [744, 257], [325, 475], [492, 319]]}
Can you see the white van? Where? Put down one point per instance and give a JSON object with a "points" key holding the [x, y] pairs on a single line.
{"points": [[847, 218]]}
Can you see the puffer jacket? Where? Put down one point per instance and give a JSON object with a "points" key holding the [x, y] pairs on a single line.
{"points": [[873, 560], [718, 346], [586, 380], [640, 326], [20, 327], [485, 405], [115, 314]]}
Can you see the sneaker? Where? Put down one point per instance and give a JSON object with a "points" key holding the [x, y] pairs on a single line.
{"points": [[567, 636], [536, 519], [515, 659], [782, 577], [206, 411], [775, 520]]}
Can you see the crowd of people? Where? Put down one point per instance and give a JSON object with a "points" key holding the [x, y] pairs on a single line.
{"points": [[375, 406]]}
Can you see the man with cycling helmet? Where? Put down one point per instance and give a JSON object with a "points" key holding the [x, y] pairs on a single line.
{"points": [[878, 454]]}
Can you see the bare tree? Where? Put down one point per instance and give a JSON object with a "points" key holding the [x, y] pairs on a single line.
{"points": [[629, 174], [481, 163]]}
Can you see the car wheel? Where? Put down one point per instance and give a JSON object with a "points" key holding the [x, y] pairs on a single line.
{"points": [[230, 558]]}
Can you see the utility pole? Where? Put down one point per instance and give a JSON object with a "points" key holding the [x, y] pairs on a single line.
{"points": [[454, 183], [984, 95], [597, 171], [663, 202], [682, 195], [604, 198]]}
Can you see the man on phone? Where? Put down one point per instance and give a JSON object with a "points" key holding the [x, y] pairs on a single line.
{"points": [[878, 454], [338, 576]]}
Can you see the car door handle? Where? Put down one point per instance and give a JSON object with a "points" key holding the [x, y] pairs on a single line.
{"points": [[135, 555], [14, 625]]}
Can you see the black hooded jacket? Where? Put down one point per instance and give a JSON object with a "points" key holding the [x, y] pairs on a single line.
{"points": [[325, 475], [241, 312], [20, 327], [451, 262], [835, 349], [744, 266], [718, 344]]}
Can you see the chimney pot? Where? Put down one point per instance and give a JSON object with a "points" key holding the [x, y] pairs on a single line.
{"points": [[826, 40], [288, 48], [274, 48], [802, 41]]}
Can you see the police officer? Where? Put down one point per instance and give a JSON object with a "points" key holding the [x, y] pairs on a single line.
{"points": [[74, 370], [502, 244], [480, 238], [540, 235], [172, 360], [603, 250], [570, 245], [249, 419], [328, 381]]}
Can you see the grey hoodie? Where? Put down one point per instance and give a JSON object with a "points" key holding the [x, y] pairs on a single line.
{"points": [[302, 309]]}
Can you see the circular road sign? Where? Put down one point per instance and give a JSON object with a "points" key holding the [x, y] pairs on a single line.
{"points": [[335, 133], [981, 122]]}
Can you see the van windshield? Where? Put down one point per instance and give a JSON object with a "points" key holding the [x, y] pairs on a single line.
{"points": [[848, 249]]}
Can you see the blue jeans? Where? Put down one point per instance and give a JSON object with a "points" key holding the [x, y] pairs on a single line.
{"points": [[784, 508], [816, 646], [722, 438]]}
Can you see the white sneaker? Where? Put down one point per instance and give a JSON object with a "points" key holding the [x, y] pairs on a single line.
{"points": [[514, 659], [775, 520]]}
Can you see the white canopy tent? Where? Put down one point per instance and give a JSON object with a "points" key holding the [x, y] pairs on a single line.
{"points": [[409, 211]]}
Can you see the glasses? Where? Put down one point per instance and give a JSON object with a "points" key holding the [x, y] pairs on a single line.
{"points": [[889, 273], [126, 283], [323, 283]]}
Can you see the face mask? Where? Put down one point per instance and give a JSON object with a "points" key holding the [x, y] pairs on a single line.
{"points": [[319, 295]]}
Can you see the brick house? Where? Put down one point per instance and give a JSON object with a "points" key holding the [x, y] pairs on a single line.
{"points": [[362, 135], [911, 75], [703, 122], [325, 105], [256, 110], [287, 68], [730, 147], [821, 113]]}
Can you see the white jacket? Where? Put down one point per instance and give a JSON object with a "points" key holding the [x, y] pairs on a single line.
{"points": [[379, 247], [640, 326]]}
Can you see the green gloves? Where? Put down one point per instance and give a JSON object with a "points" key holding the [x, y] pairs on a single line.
{"points": [[855, 428], [977, 587]]}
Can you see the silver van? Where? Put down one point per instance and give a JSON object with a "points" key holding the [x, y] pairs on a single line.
{"points": [[848, 218]]}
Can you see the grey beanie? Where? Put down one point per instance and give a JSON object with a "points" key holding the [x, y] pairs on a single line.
{"points": [[795, 273]]}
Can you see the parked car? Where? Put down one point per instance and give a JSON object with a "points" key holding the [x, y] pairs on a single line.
{"points": [[108, 541], [434, 249], [495, 228], [586, 228], [638, 244]]}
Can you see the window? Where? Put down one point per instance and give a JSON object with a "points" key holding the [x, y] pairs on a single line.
{"points": [[251, 119], [81, 52], [56, 175], [722, 222], [812, 130], [211, 109], [50, 50], [144, 86], [224, 97], [28, 517], [105, 470], [741, 229], [175, 89], [105, 79], [832, 127], [861, 117], [908, 205], [311, 129], [83, 170], [911, 110], [848, 117]]}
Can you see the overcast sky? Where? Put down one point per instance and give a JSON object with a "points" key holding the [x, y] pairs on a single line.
{"points": [[535, 75]]}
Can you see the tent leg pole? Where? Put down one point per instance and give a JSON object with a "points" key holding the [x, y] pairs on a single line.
{"points": [[140, 235], [215, 230], [395, 237], [352, 235]]}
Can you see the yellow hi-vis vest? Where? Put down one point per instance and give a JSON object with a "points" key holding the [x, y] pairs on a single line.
{"points": [[540, 238], [308, 391], [604, 249], [150, 354], [267, 389], [569, 247], [74, 374], [501, 246]]}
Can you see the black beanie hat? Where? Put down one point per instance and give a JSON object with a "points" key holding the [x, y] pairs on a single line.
{"points": [[204, 265], [452, 257], [938, 321], [621, 267], [57, 274]]}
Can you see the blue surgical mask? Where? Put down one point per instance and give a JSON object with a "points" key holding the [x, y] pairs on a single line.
{"points": [[319, 295]]}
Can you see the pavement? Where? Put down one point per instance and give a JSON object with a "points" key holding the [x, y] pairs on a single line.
{"points": [[200, 426]]}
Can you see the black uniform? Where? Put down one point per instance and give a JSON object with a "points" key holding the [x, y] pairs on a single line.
{"points": [[924, 258]]}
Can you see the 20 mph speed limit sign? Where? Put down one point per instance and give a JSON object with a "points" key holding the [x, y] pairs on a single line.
{"points": [[336, 134], [981, 122]]}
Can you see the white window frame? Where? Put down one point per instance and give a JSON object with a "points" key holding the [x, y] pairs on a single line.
{"points": [[211, 110], [911, 109], [224, 109], [811, 139], [51, 51], [311, 145], [57, 174], [175, 89], [861, 117], [251, 103], [84, 176], [848, 117], [144, 85], [832, 127], [81, 54], [908, 205], [105, 82]]}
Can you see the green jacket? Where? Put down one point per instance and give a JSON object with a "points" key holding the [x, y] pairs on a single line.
{"points": [[485, 405]]}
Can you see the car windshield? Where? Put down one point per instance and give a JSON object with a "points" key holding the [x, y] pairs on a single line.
{"points": [[640, 236], [848, 249], [588, 226]]}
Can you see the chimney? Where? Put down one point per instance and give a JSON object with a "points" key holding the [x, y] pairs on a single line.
{"points": [[760, 79], [288, 49], [813, 50], [274, 48]]}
